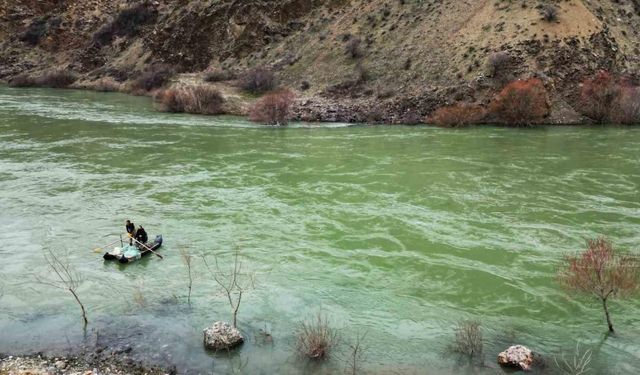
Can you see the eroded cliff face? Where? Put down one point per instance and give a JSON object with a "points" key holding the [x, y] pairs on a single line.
{"points": [[411, 56]]}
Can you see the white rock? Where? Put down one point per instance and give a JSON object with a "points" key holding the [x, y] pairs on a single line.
{"points": [[222, 336], [60, 365], [517, 356]]}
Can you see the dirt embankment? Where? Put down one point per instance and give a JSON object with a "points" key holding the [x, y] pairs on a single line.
{"points": [[359, 60]]}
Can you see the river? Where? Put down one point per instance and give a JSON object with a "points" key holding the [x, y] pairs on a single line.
{"points": [[399, 232]]}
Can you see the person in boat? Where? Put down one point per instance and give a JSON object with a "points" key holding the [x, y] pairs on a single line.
{"points": [[131, 230], [141, 235]]}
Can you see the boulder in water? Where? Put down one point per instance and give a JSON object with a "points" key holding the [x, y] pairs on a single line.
{"points": [[517, 356], [222, 336]]}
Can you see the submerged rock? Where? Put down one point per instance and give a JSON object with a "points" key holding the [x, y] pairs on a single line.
{"points": [[222, 336], [517, 356]]}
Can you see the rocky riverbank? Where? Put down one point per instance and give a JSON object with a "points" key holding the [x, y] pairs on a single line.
{"points": [[93, 364]]}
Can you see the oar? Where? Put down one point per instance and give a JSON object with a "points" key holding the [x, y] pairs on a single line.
{"points": [[98, 249], [146, 247]]}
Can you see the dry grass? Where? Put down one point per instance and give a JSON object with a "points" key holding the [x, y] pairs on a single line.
{"points": [[468, 339], [316, 339], [104, 84], [58, 79], [203, 100], [577, 363]]}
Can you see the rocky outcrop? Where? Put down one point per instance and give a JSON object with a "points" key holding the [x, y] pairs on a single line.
{"points": [[222, 336], [517, 356]]}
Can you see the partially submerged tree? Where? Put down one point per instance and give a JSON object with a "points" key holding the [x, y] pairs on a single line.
{"points": [[64, 277], [357, 352], [234, 282], [186, 259], [601, 271]]}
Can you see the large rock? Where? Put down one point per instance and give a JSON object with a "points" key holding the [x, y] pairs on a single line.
{"points": [[517, 356], [222, 336]]}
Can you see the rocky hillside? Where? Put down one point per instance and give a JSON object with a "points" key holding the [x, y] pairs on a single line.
{"points": [[360, 60]]}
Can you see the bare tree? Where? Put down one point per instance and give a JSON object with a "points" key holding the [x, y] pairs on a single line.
{"points": [[602, 272], [64, 277], [234, 282], [186, 259], [356, 354]]}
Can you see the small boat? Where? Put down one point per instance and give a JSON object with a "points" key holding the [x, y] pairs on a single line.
{"points": [[128, 253]]}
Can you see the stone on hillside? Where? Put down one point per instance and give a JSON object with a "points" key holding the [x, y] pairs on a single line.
{"points": [[222, 336], [516, 356]]}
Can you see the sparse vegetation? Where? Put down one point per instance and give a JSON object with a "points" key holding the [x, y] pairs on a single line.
{"points": [[273, 108], [36, 30], [23, 80], [54, 79], [104, 84], [468, 339], [353, 48], [598, 95], [627, 106], [258, 80], [234, 282], [126, 23], [577, 364], [219, 76], [64, 277], [315, 339], [203, 100], [153, 78], [357, 354], [601, 271], [549, 12], [459, 114], [497, 63], [522, 102], [187, 259]]}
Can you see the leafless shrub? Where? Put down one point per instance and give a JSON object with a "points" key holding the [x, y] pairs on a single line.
{"points": [[273, 108], [204, 100], [498, 62], [258, 80], [626, 108], [23, 80], [353, 48], [316, 339], [64, 277], [219, 76], [35, 31], [468, 339], [601, 271], [138, 295], [598, 95], [357, 354], [57, 79], [187, 260], [577, 364], [458, 114], [521, 102], [104, 84], [126, 23], [234, 282], [154, 77], [549, 13]]}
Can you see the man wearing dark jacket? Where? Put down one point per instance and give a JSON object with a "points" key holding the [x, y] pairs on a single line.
{"points": [[141, 235], [131, 230]]}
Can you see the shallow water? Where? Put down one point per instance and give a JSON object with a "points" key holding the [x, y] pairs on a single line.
{"points": [[398, 232]]}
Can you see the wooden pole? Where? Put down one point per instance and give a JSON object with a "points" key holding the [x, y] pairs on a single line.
{"points": [[109, 244], [146, 247]]}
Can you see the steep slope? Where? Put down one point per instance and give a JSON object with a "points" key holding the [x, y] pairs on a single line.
{"points": [[363, 60]]}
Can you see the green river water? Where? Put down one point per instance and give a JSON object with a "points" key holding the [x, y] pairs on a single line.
{"points": [[399, 232]]}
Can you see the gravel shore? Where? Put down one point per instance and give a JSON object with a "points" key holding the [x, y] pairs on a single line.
{"points": [[42, 365]]}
